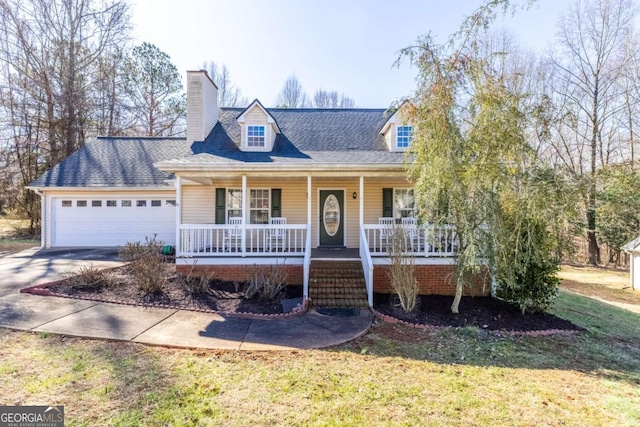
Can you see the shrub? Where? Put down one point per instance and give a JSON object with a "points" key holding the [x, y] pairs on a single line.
{"points": [[402, 271], [90, 279], [194, 286], [267, 282], [146, 264], [534, 285]]}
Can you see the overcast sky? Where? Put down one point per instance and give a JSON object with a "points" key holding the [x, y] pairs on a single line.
{"points": [[344, 45]]}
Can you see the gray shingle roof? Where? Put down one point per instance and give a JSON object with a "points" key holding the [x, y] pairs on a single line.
{"points": [[309, 136], [115, 162]]}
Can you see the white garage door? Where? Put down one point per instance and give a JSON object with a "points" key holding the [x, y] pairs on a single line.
{"points": [[111, 221]]}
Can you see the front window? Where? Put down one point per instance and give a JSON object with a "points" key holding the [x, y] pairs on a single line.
{"points": [[255, 136], [405, 134], [234, 203], [403, 203], [259, 205]]}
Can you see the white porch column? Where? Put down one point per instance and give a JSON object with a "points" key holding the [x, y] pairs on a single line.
{"points": [[178, 185], [245, 205], [361, 201], [308, 200]]}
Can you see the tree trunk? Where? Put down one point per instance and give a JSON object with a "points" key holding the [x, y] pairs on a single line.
{"points": [[457, 298], [594, 249]]}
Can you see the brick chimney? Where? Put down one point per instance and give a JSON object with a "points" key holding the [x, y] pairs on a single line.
{"points": [[202, 105]]}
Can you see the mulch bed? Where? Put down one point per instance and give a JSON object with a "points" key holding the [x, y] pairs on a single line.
{"points": [[222, 296], [483, 312]]}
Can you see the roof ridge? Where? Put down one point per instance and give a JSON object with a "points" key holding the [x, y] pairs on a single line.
{"points": [[308, 109], [151, 138]]}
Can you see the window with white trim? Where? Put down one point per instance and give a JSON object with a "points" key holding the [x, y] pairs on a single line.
{"points": [[403, 203], [259, 204], [66, 203], [234, 203], [255, 136], [404, 135]]}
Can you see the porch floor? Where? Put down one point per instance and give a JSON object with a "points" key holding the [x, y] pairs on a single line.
{"points": [[350, 254]]}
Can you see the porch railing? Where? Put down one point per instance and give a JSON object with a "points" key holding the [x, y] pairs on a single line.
{"points": [[367, 264], [238, 240], [428, 240], [307, 265]]}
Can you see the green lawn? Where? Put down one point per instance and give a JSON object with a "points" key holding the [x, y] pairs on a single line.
{"points": [[392, 376]]}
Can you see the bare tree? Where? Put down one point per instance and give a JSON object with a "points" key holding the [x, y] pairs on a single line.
{"points": [[589, 70], [229, 95], [50, 52], [330, 99], [292, 95], [58, 45]]}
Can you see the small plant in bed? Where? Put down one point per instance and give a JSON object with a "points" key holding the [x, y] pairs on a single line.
{"points": [[268, 282], [145, 264], [90, 279], [194, 286]]}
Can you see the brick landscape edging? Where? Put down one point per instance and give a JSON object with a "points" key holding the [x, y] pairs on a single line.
{"points": [[502, 332], [43, 290]]}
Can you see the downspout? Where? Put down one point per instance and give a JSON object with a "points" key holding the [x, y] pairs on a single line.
{"points": [[43, 227]]}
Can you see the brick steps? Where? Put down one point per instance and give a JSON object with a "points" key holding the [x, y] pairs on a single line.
{"points": [[337, 284]]}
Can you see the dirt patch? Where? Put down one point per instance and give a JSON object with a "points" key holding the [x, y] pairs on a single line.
{"points": [[622, 295], [221, 296], [482, 312]]}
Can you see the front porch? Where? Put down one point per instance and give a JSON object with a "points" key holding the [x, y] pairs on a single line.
{"points": [[231, 225]]}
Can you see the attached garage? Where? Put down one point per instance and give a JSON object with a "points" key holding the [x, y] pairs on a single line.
{"points": [[111, 221], [109, 193]]}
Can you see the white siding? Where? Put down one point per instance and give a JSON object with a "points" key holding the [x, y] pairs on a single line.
{"points": [[257, 117], [202, 106], [198, 204]]}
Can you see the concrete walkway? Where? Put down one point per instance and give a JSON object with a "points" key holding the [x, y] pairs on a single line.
{"points": [[166, 327]]}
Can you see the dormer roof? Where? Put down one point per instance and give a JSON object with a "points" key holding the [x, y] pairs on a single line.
{"points": [[257, 103], [393, 118]]}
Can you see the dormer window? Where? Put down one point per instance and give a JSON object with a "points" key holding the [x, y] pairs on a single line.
{"points": [[255, 136], [404, 136]]}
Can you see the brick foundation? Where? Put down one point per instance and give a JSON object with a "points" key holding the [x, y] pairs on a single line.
{"points": [[242, 273], [433, 280]]}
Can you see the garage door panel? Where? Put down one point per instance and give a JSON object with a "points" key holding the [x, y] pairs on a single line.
{"points": [[111, 225]]}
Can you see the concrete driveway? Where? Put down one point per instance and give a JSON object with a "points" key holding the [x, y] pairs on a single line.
{"points": [[34, 266], [156, 326]]}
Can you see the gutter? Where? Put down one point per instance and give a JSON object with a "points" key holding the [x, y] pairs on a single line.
{"points": [[253, 167]]}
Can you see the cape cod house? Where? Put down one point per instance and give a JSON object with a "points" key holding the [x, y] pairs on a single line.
{"points": [[254, 187]]}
